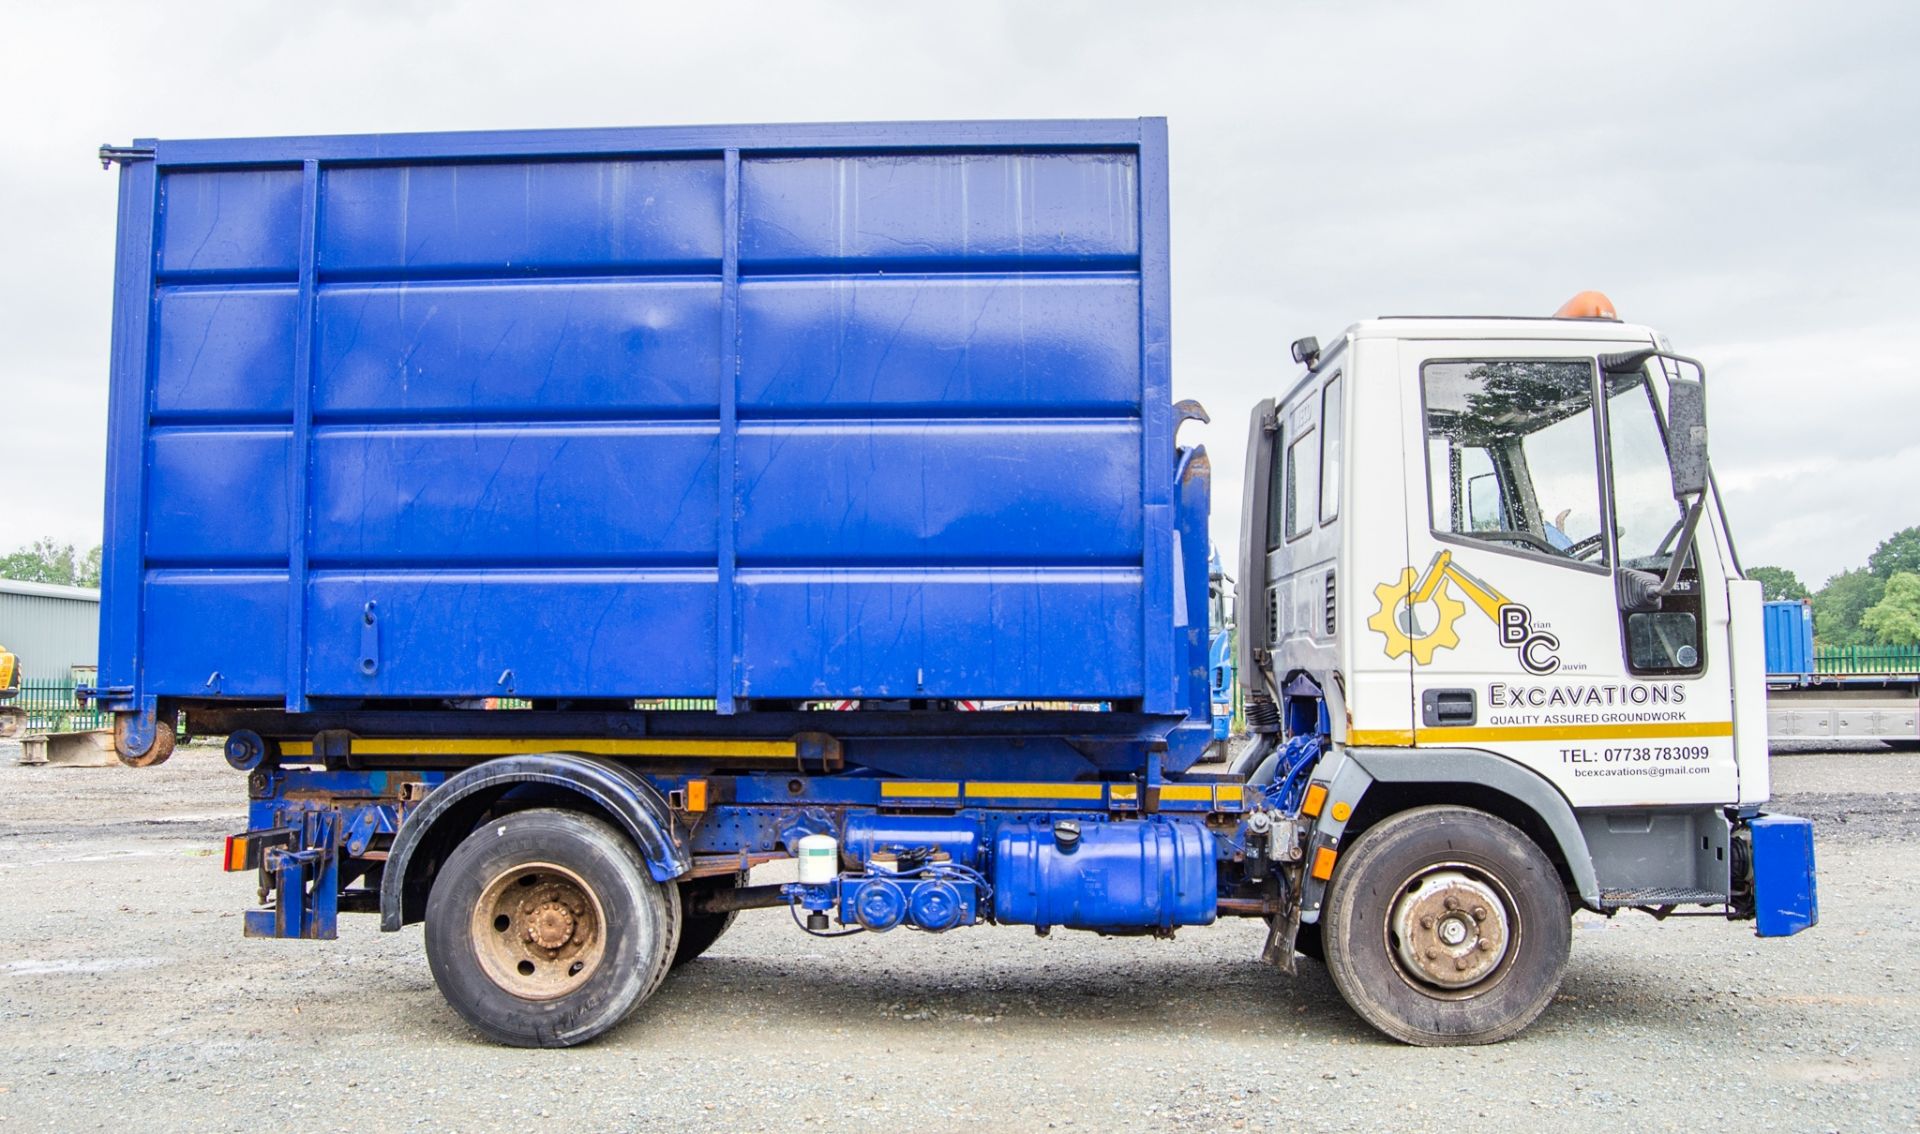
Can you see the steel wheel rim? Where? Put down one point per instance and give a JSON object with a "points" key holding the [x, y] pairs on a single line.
{"points": [[1435, 942], [539, 931]]}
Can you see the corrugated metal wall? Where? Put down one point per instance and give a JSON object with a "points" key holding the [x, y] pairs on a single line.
{"points": [[52, 629]]}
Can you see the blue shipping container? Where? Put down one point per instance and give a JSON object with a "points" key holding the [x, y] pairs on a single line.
{"points": [[749, 413], [1789, 637]]}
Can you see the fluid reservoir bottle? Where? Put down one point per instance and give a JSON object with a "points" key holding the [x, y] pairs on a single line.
{"points": [[819, 859]]}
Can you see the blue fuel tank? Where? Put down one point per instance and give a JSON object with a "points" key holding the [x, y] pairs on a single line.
{"points": [[1124, 875]]}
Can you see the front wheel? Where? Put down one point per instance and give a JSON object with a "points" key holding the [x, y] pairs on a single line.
{"points": [[544, 928], [1446, 926]]}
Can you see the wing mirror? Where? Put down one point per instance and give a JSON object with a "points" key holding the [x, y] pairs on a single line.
{"points": [[1687, 436], [1686, 415]]}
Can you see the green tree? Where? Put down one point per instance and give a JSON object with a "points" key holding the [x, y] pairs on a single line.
{"points": [[1897, 553], [46, 561], [1839, 605], [1895, 619], [1779, 583]]}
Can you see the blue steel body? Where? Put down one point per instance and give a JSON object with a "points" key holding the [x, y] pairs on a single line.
{"points": [[766, 415], [744, 413]]}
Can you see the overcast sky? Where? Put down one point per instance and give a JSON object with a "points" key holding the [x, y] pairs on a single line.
{"points": [[1744, 176]]}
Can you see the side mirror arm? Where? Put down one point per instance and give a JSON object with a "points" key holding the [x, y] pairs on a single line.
{"points": [[1683, 547]]}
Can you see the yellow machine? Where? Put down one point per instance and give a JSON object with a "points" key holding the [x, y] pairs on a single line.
{"points": [[13, 719]]}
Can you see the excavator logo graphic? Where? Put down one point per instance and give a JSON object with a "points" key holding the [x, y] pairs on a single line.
{"points": [[1418, 611]]}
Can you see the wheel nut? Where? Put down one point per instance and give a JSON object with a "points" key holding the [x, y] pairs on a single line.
{"points": [[1451, 903], [1479, 913], [1426, 922], [1460, 965], [1485, 945], [1433, 954]]}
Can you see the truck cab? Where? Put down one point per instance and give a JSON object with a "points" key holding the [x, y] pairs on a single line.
{"points": [[1485, 557]]}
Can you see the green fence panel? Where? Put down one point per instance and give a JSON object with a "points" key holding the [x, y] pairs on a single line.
{"points": [[52, 706], [1838, 661]]}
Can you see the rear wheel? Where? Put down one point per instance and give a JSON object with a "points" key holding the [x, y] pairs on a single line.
{"points": [[676, 932], [544, 928], [1446, 925], [698, 931]]}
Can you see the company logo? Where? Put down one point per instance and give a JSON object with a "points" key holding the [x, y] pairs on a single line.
{"points": [[1418, 611]]}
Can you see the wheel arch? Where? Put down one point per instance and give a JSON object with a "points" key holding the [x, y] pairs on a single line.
{"points": [[454, 809], [1404, 778]]}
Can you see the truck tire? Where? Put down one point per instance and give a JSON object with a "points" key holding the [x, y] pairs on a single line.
{"points": [[698, 931], [663, 964], [544, 928], [1446, 926]]}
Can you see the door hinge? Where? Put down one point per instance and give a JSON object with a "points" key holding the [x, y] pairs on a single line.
{"points": [[128, 154]]}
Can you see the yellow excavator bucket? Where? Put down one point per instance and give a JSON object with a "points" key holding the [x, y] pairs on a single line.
{"points": [[13, 719]]}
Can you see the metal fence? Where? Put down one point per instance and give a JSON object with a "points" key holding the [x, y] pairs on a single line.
{"points": [[52, 707], [1847, 660]]}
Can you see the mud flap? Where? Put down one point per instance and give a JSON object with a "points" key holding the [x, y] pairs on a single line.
{"points": [[1282, 931]]}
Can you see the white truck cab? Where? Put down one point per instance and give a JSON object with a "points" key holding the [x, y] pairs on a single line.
{"points": [[1484, 558]]}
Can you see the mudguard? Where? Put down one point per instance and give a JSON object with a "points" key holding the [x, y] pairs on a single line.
{"points": [[1348, 779], [449, 811]]}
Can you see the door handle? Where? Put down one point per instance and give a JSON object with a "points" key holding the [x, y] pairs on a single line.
{"points": [[1448, 708]]}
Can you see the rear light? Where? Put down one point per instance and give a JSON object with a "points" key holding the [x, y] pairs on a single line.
{"points": [[245, 851]]}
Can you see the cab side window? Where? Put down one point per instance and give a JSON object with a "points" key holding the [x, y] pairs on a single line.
{"points": [[1330, 448], [1302, 468], [1512, 457]]}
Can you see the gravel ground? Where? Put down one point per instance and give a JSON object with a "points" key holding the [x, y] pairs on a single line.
{"points": [[129, 1001]]}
